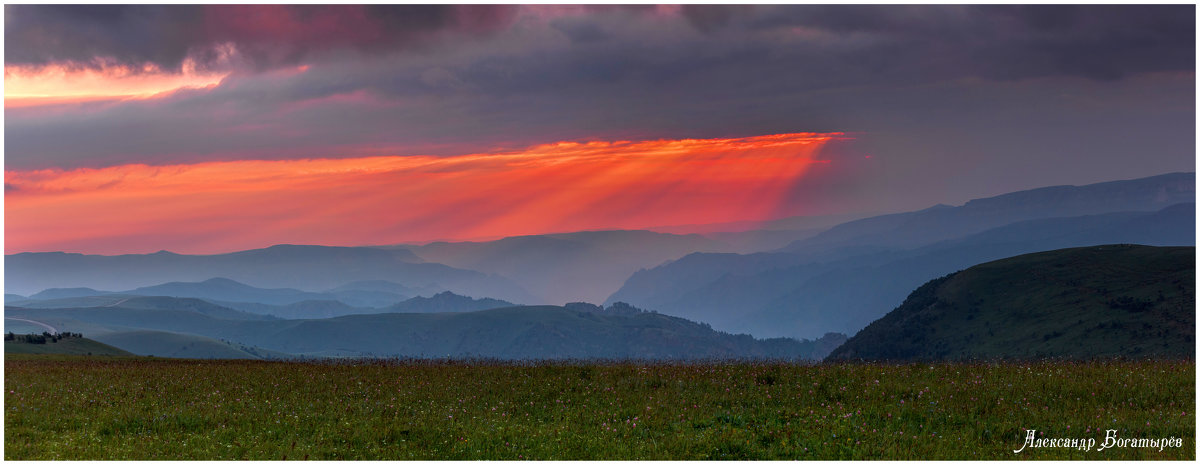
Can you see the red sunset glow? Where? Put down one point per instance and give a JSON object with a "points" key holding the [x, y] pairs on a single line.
{"points": [[223, 206]]}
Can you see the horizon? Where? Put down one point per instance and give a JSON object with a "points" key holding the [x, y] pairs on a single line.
{"points": [[703, 230]]}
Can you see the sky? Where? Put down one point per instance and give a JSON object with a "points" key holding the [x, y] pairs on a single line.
{"points": [[214, 128]]}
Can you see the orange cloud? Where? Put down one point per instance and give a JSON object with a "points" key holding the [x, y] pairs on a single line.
{"points": [[32, 86], [566, 186]]}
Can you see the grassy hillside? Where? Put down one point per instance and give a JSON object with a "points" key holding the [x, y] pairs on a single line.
{"points": [[1114, 300], [67, 346], [175, 345]]}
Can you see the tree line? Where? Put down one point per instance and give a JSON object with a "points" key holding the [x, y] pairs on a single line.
{"points": [[43, 338]]}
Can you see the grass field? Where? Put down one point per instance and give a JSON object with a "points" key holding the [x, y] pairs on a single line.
{"points": [[61, 407]]}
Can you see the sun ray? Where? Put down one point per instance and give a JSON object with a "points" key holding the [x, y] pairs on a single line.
{"points": [[390, 199]]}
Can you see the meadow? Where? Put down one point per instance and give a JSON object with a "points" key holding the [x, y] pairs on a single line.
{"points": [[74, 407]]}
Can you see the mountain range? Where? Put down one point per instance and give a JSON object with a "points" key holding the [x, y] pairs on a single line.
{"points": [[829, 280], [280, 266], [515, 332], [559, 268], [846, 277]]}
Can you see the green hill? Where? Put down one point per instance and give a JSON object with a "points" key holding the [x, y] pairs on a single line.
{"points": [[68, 346], [176, 345], [1101, 301]]}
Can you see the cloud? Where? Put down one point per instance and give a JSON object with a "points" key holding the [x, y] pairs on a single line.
{"points": [[263, 36], [709, 18], [324, 83], [1007, 41]]}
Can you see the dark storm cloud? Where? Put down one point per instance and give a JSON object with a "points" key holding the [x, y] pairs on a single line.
{"points": [[990, 41], [708, 18], [601, 73], [1010, 41], [41, 34], [265, 35]]}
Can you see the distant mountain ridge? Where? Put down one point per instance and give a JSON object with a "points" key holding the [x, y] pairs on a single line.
{"points": [[945, 222], [1100, 301], [225, 298], [443, 302], [446, 302], [559, 268], [281, 266], [141, 302], [227, 290], [841, 285]]}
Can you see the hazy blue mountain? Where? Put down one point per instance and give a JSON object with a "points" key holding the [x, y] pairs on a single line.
{"points": [[83, 301], [446, 302], [234, 294], [379, 285], [139, 302], [227, 290], [9, 298], [301, 310], [761, 240], [64, 293], [842, 290], [314, 309], [791, 223], [660, 287], [312, 268], [379, 293], [1098, 301], [906, 230], [560, 268], [367, 299], [522, 332]]}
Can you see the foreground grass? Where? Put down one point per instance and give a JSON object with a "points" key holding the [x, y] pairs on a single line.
{"points": [[137, 408]]}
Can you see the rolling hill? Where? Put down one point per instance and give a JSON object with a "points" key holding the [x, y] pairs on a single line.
{"points": [[1079, 303], [176, 345], [67, 346], [523, 332]]}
